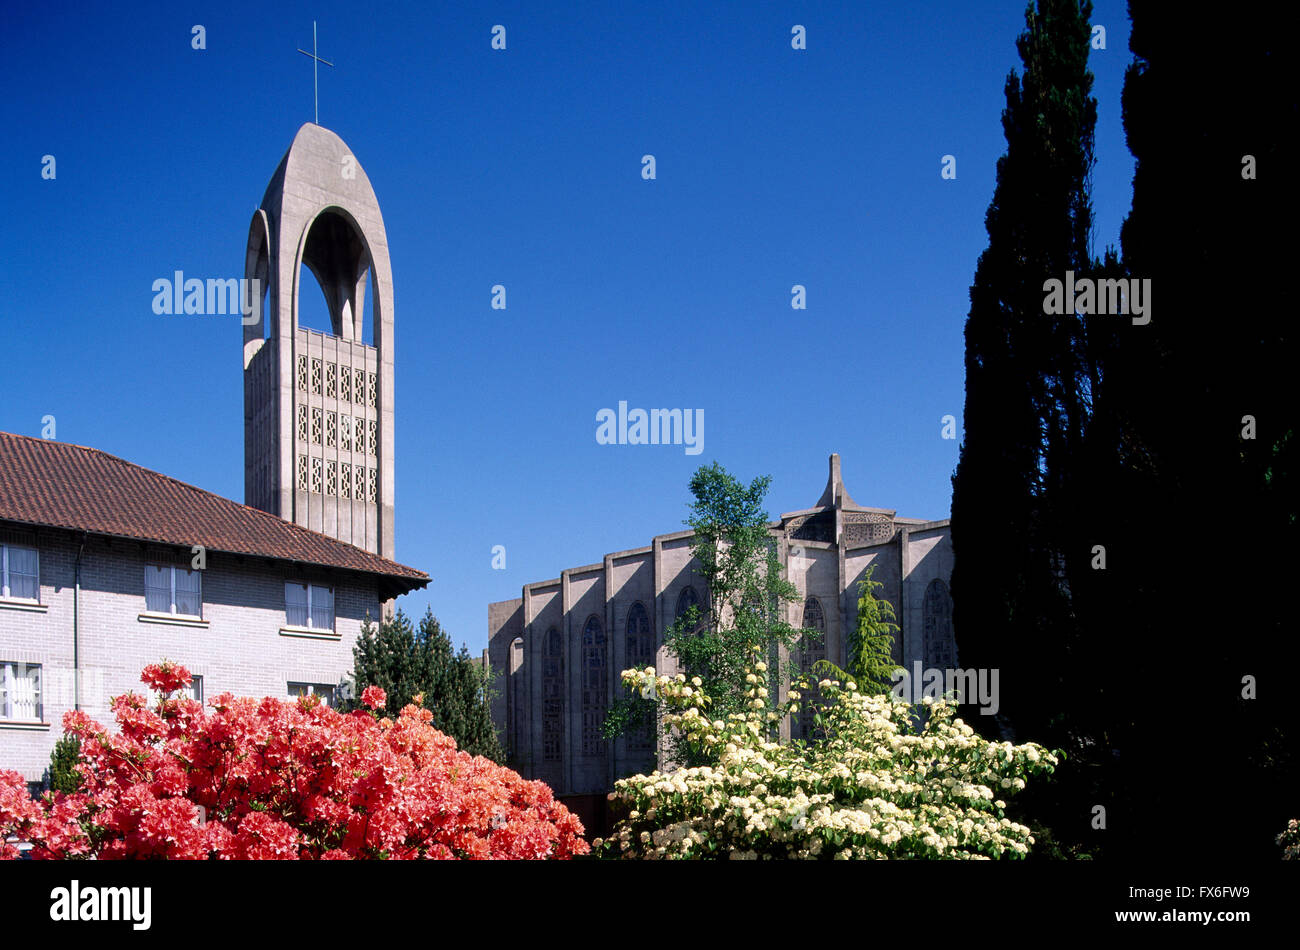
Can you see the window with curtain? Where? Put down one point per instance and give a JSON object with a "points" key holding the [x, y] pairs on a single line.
{"points": [[19, 572], [309, 605], [324, 690], [173, 590], [20, 692]]}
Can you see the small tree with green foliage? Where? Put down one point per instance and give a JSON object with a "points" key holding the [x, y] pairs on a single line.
{"points": [[62, 774], [418, 665], [744, 608], [871, 642]]}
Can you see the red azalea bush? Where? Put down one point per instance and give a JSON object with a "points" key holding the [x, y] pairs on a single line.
{"points": [[281, 779]]}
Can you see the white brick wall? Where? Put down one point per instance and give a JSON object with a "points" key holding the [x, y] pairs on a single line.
{"points": [[241, 651]]}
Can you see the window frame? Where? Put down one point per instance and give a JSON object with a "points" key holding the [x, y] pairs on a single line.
{"points": [[310, 690], [6, 700], [310, 586], [5, 587], [172, 569]]}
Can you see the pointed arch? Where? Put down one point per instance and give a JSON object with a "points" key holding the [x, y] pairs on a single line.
{"points": [[640, 654], [595, 691], [812, 649], [552, 696], [939, 648]]}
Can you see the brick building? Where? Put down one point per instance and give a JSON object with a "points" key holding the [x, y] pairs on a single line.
{"points": [[106, 566]]}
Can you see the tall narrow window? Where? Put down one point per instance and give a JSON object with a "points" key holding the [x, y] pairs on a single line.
{"points": [[685, 601], [20, 692], [19, 572], [640, 654], [552, 696], [173, 590], [937, 638], [595, 694], [812, 649]]}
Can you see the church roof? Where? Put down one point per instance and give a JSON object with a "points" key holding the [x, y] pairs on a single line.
{"points": [[58, 484]]}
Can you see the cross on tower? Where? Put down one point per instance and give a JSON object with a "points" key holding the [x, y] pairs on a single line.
{"points": [[315, 59]]}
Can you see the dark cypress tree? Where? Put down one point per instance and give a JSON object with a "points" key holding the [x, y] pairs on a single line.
{"points": [[1026, 383], [409, 662], [1199, 519]]}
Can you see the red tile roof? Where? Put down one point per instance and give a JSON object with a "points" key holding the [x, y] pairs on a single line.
{"points": [[61, 485]]}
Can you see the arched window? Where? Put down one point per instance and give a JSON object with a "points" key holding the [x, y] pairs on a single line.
{"points": [[937, 640], [595, 693], [812, 649], [552, 696], [685, 601], [640, 654]]}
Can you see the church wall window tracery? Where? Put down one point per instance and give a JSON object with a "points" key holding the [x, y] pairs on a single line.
{"points": [[345, 385], [315, 475], [345, 433], [345, 480], [302, 423], [315, 377], [315, 426], [331, 371], [358, 385], [302, 373], [373, 392], [552, 696], [302, 473], [938, 645], [812, 649], [640, 654], [331, 428], [595, 695], [331, 478]]}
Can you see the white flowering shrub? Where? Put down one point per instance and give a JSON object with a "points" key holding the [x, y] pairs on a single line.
{"points": [[1290, 841], [876, 787]]}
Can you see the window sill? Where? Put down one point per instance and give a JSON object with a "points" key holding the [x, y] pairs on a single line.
{"points": [[9, 603], [25, 726], [311, 633], [179, 620]]}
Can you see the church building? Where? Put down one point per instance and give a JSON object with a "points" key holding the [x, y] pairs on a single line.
{"points": [[562, 645], [106, 567]]}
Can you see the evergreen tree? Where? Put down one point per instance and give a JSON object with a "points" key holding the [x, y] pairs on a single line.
{"points": [[871, 641], [1027, 382], [62, 775], [413, 664]]}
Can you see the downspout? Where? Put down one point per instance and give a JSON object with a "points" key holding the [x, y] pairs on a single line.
{"points": [[76, 619]]}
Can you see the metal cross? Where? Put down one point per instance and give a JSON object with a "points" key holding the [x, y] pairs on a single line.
{"points": [[315, 85]]}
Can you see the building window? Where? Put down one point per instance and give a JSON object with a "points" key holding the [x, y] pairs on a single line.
{"points": [[315, 475], [594, 687], [373, 427], [172, 590], [640, 654], [302, 423], [938, 645], [374, 486], [345, 431], [359, 489], [315, 377], [345, 479], [195, 690], [685, 601], [812, 649], [330, 370], [302, 473], [19, 572], [309, 605], [315, 426], [345, 384], [358, 386], [553, 696], [331, 425], [302, 373], [323, 690], [20, 692], [373, 392], [331, 478]]}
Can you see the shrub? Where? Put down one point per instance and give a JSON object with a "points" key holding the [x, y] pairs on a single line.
{"points": [[890, 780], [282, 779]]}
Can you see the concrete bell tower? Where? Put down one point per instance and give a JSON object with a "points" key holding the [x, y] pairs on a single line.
{"points": [[318, 407]]}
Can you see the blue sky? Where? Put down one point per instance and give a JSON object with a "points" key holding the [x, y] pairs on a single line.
{"points": [[522, 167]]}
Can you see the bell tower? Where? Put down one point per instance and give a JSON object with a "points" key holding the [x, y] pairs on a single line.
{"points": [[318, 407]]}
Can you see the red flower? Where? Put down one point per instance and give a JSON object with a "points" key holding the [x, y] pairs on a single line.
{"points": [[276, 779]]}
